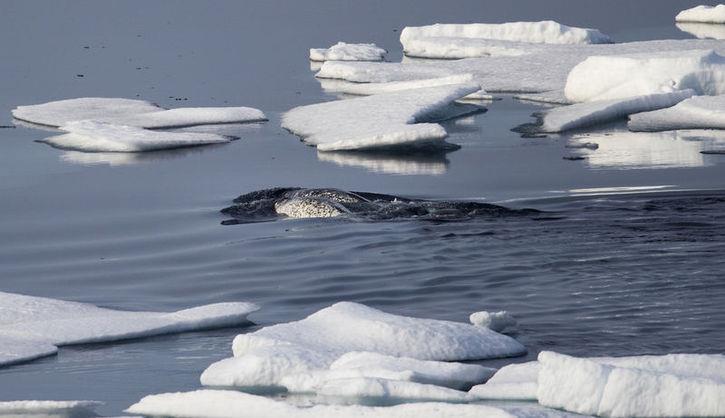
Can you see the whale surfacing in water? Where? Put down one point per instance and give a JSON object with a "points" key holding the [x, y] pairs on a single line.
{"points": [[296, 202]]}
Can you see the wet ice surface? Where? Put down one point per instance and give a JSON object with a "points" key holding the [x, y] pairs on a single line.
{"points": [[601, 276]]}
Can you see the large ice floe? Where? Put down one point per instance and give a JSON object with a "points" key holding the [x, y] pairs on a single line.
{"points": [[582, 115], [342, 51], [33, 327], [400, 119], [231, 404], [702, 30], [320, 343], [703, 14], [423, 40], [49, 409], [700, 112], [673, 385], [123, 125]]}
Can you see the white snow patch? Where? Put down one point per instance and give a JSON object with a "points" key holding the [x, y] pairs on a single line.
{"points": [[699, 112], [647, 386], [703, 14], [582, 115], [367, 388], [496, 321], [265, 357], [32, 326], [348, 52], [92, 136], [615, 77], [137, 113], [377, 122], [48, 409], [231, 404]]}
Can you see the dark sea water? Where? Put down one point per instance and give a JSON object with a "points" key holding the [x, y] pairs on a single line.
{"points": [[626, 258]]}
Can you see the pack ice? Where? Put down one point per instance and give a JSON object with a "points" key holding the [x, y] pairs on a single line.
{"points": [[232, 404], [700, 112], [342, 51], [382, 121], [321, 343], [48, 409], [33, 327], [703, 14]]}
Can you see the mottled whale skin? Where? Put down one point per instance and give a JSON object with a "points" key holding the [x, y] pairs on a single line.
{"points": [[296, 202]]}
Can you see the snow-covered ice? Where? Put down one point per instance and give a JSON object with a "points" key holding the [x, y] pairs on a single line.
{"points": [[265, 357], [386, 390], [538, 68], [342, 51], [616, 77], [701, 30], [92, 136], [703, 14], [699, 112], [49, 409], [232, 404], [647, 386], [582, 115], [381, 121], [137, 113], [548, 32], [497, 321], [31, 327], [511, 382], [367, 89]]}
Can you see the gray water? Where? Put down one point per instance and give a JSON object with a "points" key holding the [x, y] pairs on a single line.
{"points": [[627, 259]]}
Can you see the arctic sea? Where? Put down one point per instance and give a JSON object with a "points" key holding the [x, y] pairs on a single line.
{"points": [[627, 258]]}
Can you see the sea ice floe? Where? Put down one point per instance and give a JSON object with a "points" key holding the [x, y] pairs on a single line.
{"points": [[582, 115], [496, 321], [265, 357], [369, 389], [539, 68], [651, 386], [348, 52], [232, 404], [615, 77], [137, 113], [381, 121], [49, 409], [700, 30], [703, 14], [31, 327], [548, 32], [367, 89], [511, 382], [699, 112], [92, 136]]}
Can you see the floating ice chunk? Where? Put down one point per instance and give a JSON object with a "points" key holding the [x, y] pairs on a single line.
{"points": [[582, 115], [548, 32], [232, 404], [312, 382], [131, 112], [32, 326], [511, 382], [377, 122], [453, 375], [497, 321], [457, 48], [539, 68], [703, 14], [384, 390], [348, 52], [614, 77], [263, 358], [699, 112], [48, 409], [639, 387], [92, 136], [367, 89], [701, 30]]}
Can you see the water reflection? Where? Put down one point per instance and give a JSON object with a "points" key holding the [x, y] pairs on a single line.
{"points": [[703, 30], [423, 164], [115, 159], [628, 150]]}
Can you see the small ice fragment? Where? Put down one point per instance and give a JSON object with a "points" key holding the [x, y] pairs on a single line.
{"points": [[583, 145], [49, 409], [348, 52], [496, 321], [703, 14]]}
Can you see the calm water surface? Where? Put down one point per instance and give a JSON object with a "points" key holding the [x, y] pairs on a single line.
{"points": [[601, 273]]}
